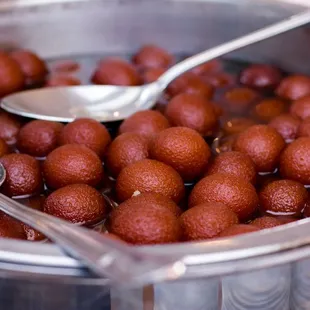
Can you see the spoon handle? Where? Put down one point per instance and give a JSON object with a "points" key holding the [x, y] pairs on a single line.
{"points": [[119, 262], [254, 37]]}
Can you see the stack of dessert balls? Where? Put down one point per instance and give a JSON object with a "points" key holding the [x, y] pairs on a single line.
{"points": [[220, 155]]}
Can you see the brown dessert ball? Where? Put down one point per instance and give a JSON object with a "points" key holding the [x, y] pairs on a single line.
{"points": [[286, 125], [11, 228], [76, 203], [145, 225], [33, 67], [294, 87], [153, 200], [4, 149], [212, 66], [301, 107], [149, 176], [295, 161], [269, 108], [38, 137], [234, 163], [183, 149], [287, 219], [152, 56], [152, 74], [66, 66], [263, 144], [192, 111], [190, 83], [283, 197], [23, 175], [239, 99], [235, 192], [147, 123], [12, 78], [88, 132], [71, 164], [238, 229], [266, 222], [304, 128], [237, 125], [206, 221], [9, 128], [62, 80], [261, 76], [115, 71], [125, 150], [219, 79]]}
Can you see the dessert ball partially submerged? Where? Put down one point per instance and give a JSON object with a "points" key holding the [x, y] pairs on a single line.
{"points": [[263, 144], [38, 138], [304, 128], [58, 80], [206, 221], [4, 149], [23, 175], [125, 150], [149, 176], [283, 197], [153, 56], [154, 200], [269, 108], [183, 149], [12, 78], [33, 67], [236, 193], [152, 74], [266, 222], [295, 161], [236, 125], [9, 128], [192, 111], [145, 224], [238, 229], [301, 107], [286, 125], [234, 163], [76, 203], [294, 87], [88, 132], [116, 71], [146, 123], [261, 76], [11, 228], [71, 164]]}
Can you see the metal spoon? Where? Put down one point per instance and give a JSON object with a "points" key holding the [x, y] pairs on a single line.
{"points": [[119, 262], [113, 103]]}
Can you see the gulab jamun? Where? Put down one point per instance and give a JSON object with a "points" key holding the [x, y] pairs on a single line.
{"points": [[286, 125], [295, 161], [76, 203], [9, 128], [23, 175], [190, 83], [147, 123], [212, 66], [145, 225], [124, 150], [294, 87], [283, 197], [238, 229], [183, 149], [266, 222], [88, 132], [71, 164], [234, 163], [152, 56], [4, 149], [58, 80], [235, 192], [261, 76], [263, 144], [269, 108], [152, 200], [219, 79], [206, 221], [11, 228], [152, 74], [38, 138], [236, 125], [33, 67], [304, 128], [12, 78], [149, 176], [115, 71], [192, 111], [301, 107]]}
